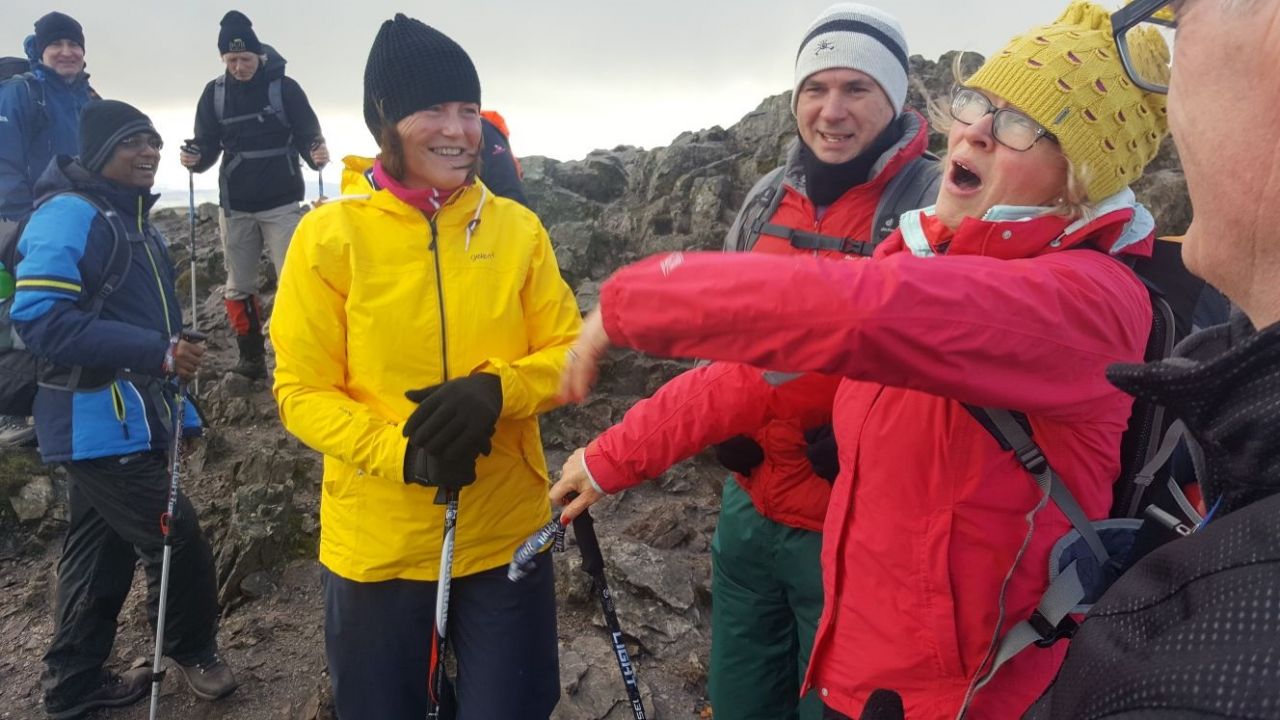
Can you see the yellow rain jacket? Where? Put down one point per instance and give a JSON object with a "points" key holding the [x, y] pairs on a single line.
{"points": [[374, 301]]}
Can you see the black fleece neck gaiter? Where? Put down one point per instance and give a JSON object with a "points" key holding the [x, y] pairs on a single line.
{"points": [[825, 182]]}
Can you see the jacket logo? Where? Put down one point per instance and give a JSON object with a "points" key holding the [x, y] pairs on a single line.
{"points": [[4, 118], [824, 47], [670, 263], [476, 257], [498, 149]]}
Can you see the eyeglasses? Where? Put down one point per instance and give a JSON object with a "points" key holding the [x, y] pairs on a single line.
{"points": [[1152, 15], [1009, 127], [136, 142]]}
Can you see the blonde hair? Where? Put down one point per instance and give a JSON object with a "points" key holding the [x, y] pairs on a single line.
{"points": [[1074, 203]]}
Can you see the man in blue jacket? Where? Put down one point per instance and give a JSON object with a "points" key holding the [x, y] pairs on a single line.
{"points": [[105, 412], [39, 117]]}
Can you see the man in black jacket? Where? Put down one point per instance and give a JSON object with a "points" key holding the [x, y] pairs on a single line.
{"points": [[1193, 629], [261, 123]]}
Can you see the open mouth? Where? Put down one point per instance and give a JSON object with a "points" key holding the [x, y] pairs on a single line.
{"points": [[834, 138], [964, 178], [146, 167]]}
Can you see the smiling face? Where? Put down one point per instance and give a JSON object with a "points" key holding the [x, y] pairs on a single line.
{"points": [[241, 65], [440, 145], [980, 173], [64, 57], [840, 112], [134, 160]]}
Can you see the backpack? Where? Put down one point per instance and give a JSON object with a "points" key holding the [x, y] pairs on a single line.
{"points": [[274, 108], [500, 124], [20, 371], [18, 70], [1149, 505], [915, 186]]}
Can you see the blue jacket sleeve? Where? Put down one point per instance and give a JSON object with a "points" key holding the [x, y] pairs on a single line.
{"points": [[15, 120], [61, 240]]}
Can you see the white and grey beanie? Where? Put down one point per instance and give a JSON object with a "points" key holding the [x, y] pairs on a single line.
{"points": [[858, 37]]}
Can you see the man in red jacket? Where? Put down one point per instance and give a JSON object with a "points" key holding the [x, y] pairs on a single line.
{"points": [[773, 430]]}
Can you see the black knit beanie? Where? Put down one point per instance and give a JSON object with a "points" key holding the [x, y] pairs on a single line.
{"points": [[54, 27], [103, 124], [237, 34], [411, 67]]}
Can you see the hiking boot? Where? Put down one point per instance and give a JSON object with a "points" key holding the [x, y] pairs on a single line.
{"points": [[253, 357], [209, 679], [16, 431], [114, 691]]}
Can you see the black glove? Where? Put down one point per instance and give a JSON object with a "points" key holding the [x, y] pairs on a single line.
{"points": [[821, 452], [740, 454], [434, 471], [454, 420]]}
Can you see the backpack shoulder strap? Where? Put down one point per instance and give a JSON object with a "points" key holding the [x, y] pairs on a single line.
{"points": [[1013, 433], [914, 187], [220, 97], [118, 260], [275, 96], [761, 203]]}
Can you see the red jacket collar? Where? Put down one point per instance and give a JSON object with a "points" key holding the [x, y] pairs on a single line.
{"points": [[1013, 239]]}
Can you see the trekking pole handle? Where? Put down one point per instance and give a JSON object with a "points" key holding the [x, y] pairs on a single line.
{"points": [[584, 530], [192, 335], [190, 147], [522, 562]]}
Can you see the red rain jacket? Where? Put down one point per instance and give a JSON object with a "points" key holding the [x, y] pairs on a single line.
{"points": [[928, 513]]}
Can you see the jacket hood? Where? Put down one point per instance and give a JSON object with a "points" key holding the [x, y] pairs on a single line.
{"points": [[66, 174], [274, 67], [464, 207], [1118, 225]]}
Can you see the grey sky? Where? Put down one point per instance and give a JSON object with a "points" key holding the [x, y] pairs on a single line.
{"points": [[569, 75]]}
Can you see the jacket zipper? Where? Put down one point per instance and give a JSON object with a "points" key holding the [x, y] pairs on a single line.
{"points": [[444, 340], [117, 404], [164, 304], [155, 271]]}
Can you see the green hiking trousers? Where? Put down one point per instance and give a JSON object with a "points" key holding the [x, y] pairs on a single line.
{"points": [[766, 599]]}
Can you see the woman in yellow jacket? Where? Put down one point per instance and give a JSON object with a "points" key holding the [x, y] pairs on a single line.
{"points": [[420, 328]]}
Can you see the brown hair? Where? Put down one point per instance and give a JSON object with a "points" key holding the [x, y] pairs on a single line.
{"points": [[391, 149]]}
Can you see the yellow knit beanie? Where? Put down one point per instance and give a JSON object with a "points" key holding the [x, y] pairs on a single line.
{"points": [[1068, 77]]}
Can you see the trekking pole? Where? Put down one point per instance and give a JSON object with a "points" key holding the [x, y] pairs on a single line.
{"points": [[166, 520], [319, 170], [593, 565], [438, 683], [522, 562], [189, 146]]}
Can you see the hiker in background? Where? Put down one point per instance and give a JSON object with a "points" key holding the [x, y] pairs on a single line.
{"points": [[857, 162], [1008, 293], [260, 121], [367, 375], [500, 169], [102, 410], [40, 108], [1191, 631]]}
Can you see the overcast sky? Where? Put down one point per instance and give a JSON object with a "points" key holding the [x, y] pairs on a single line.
{"points": [[569, 75]]}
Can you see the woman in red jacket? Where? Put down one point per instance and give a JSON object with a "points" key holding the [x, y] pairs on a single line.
{"points": [[1006, 294]]}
